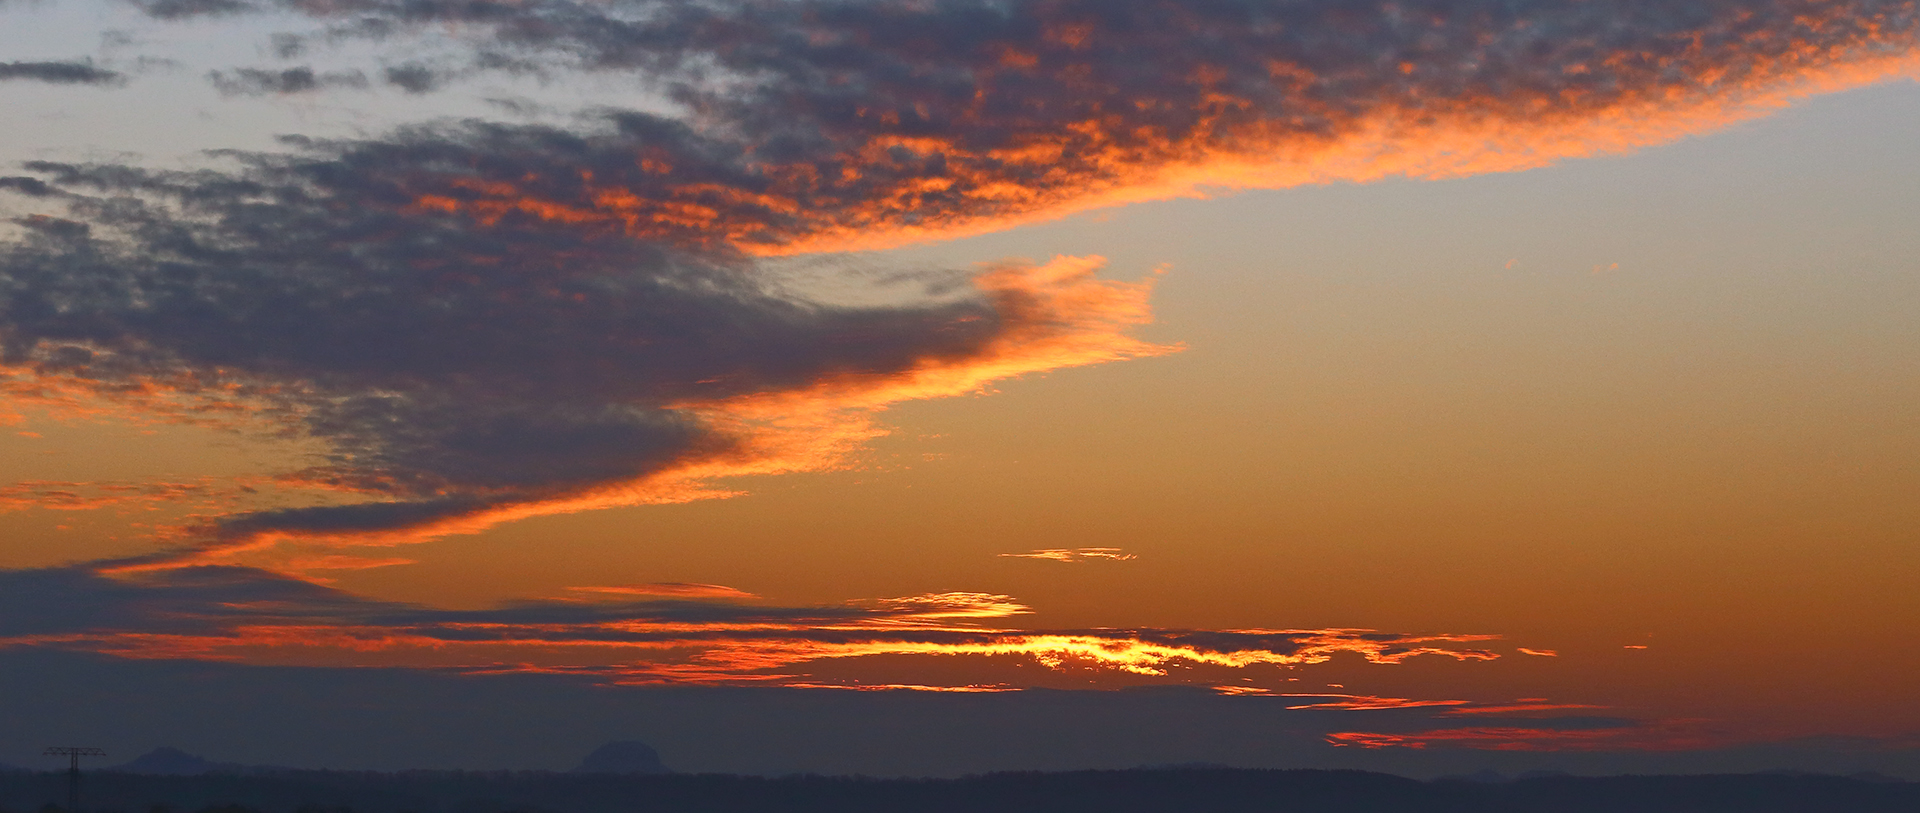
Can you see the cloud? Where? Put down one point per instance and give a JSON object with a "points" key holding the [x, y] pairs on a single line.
{"points": [[257, 82], [934, 606], [414, 77], [343, 562], [1571, 734], [467, 369], [255, 616], [1344, 702], [1074, 555], [76, 72], [1353, 702], [663, 589], [864, 124], [1526, 706], [907, 687], [186, 9], [74, 496]]}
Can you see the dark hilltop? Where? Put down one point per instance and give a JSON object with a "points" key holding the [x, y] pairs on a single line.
{"points": [[629, 778]]}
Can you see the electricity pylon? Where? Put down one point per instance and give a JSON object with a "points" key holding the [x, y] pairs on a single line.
{"points": [[73, 770]]}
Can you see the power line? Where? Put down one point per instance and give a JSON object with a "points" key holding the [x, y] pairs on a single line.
{"points": [[73, 770]]}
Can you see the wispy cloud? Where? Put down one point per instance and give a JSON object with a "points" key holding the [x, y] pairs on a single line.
{"points": [[1571, 735], [908, 687], [258, 82], [1344, 702], [663, 589], [72, 72], [1074, 555], [1523, 707], [206, 493], [253, 616], [1354, 702], [860, 124]]}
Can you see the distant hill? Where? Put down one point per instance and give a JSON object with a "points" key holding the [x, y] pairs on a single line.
{"points": [[174, 762], [1187, 790], [622, 757]]}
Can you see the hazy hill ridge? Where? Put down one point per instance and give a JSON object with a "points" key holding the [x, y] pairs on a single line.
{"points": [[1198, 790]]}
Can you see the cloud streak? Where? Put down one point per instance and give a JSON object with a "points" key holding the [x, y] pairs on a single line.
{"points": [[1611, 735], [254, 616], [72, 72], [71, 496], [661, 589], [1074, 555], [257, 82], [820, 125]]}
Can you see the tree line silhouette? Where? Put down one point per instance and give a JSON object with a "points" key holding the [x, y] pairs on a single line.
{"points": [[1196, 790]]}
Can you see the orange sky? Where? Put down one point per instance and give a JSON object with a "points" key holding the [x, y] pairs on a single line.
{"points": [[1340, 383]]}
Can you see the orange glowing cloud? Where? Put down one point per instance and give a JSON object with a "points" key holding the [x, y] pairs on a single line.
{"points": [[1074, 555], [1666, 736], [303, 564], [205, 494], [1238, 97], [1051, 315], [645, 653], [907, 687], [1369, 703], [254, 616], [664, 590], [1524, 706]]}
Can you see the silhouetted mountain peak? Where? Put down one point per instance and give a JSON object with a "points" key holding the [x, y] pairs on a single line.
{"points": [[622, 757]]}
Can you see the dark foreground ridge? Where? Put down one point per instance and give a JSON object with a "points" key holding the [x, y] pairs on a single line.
{"points": [[1177, 789]]}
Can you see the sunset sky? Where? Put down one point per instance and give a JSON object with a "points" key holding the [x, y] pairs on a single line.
{"points": [[1469, 378]]}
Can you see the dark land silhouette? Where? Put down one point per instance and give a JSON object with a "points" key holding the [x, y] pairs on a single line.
{"points": [[1197, 789], [175, 762], [390, 719], [622, 758]]}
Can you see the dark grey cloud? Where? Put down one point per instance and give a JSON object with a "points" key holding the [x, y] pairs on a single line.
{"points": [[453, 361], [186, 9], [33, 187], [218, 600], [414, 77], [190, 601], [258, 82], [1009, 61], [930, 112], [72, 72]]}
